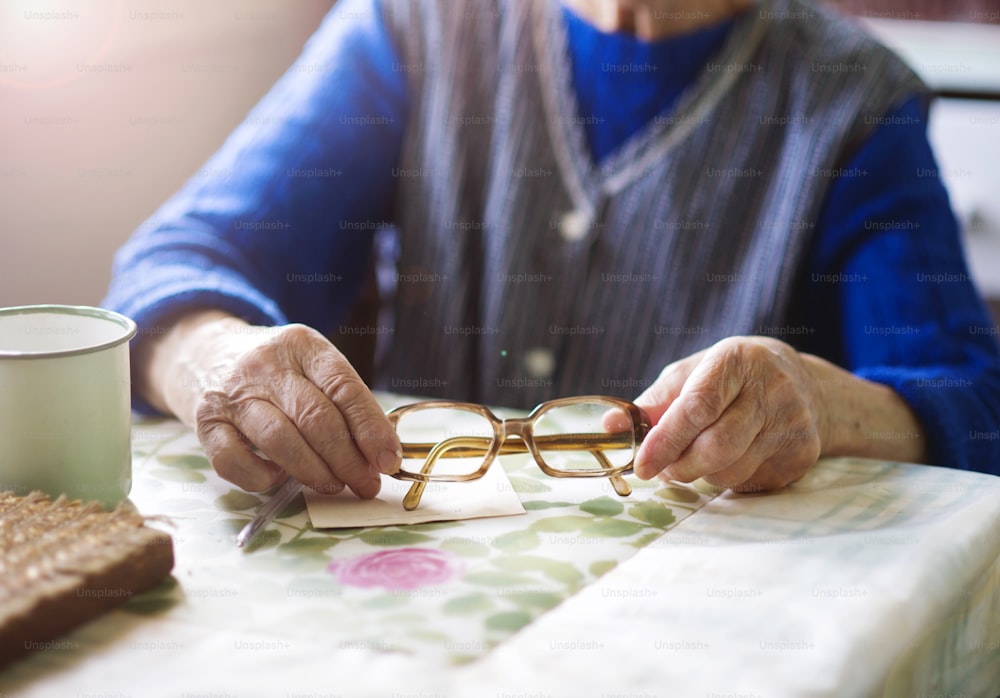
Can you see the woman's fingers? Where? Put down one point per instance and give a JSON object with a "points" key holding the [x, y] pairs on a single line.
{"points": [[744, 417], [723, 445], [710, 387], [296, 399], [234, 459], [364, 418], [318, 423]]}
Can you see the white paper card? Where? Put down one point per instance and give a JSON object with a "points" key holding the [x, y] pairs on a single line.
{"points": [[491, 495]]}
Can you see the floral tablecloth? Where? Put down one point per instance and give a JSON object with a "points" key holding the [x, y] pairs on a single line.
{"points": [[450, 589], [864, 578]]}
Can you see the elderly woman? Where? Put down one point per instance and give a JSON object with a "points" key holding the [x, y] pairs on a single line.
{"points": [[729, 207]]}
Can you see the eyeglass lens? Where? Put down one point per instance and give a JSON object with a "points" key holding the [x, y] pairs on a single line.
{"points": [[568, 436], [462, 437]]}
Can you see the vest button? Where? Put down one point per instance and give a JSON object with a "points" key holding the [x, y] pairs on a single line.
{"points": [[539, 363], [573, 225]]}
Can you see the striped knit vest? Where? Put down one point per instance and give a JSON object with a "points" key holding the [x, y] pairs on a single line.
{"points": [[526, 271]]}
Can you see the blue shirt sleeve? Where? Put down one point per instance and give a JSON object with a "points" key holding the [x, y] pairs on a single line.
{"points": [[890, 296], [278, 225]]}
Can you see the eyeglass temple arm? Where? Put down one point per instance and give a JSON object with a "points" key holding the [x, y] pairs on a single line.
{"points": [[622, 488], [465, 444], [473, 446]]}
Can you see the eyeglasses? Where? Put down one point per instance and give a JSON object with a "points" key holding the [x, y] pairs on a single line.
{"points": [[458, 441]]}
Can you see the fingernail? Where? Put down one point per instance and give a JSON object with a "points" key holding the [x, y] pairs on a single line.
{"points": [[388, 461]]}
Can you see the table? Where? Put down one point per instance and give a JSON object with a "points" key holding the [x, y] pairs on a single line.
{"points": [[865, 578]]}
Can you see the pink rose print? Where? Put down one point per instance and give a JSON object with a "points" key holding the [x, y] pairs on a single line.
{"points": [[401, 568]]}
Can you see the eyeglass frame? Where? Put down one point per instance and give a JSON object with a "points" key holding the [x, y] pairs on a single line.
{"points": [[526, 442]]}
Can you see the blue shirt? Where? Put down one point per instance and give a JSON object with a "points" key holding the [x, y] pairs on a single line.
{"points": [[887, 289]]}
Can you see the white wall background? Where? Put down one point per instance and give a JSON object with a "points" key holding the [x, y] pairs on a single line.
{"points": [[85, 156]]}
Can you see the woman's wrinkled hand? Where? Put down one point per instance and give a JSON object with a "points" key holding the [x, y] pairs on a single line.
{"points": [[266, 401], [744, 413]]}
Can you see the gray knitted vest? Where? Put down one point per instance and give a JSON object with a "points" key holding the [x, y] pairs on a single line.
{"points": [[528, 272]]}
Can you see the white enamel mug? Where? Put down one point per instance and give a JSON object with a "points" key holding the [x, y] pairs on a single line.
{"points": [[65, 402]]}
